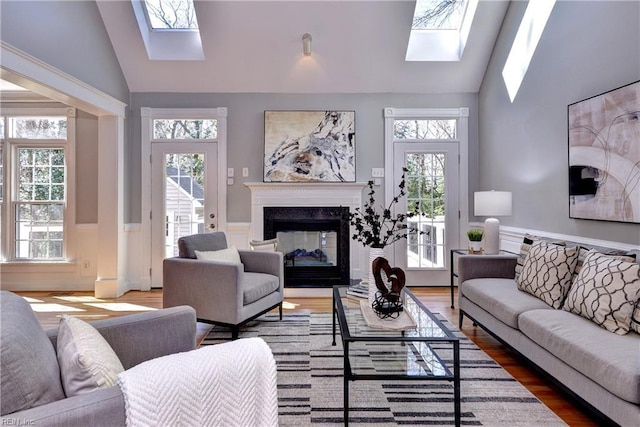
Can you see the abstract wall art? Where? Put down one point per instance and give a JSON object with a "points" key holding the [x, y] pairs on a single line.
{"points": [[309, 146], [604, 156]]}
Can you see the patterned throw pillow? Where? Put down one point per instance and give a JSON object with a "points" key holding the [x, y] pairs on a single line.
{"points": [[547, 272], [527, 241], [635, 318], [606, 292], [524, 250], [623, 255]]}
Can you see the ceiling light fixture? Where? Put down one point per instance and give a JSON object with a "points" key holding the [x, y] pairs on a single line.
{"points": [[306, 44]]}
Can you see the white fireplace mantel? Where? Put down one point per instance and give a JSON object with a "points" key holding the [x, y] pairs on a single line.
{"points": [[346, 194]]}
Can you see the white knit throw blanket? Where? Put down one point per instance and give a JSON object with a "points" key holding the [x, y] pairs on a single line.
{"points": [[231, 384]]}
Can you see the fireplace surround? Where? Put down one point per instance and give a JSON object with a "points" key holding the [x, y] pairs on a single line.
{"points": [[299, 195]]}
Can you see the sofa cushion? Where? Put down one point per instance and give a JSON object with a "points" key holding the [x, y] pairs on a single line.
{"points": [[606, 292], [501, 298], [547, 272], [258, 285], [29, 368], [87, 361], [611, 360]]}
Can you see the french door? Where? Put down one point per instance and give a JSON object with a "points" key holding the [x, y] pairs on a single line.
{"points": [[183, 196], [431, 178]]}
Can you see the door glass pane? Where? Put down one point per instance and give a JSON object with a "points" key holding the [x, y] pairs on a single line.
{"points": [[184, 198], [426, 192]]}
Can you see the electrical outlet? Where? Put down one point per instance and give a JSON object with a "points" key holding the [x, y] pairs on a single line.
{"points": [[86, 264], [230, 172], [377, 172], [245, 172], [229, 181]]}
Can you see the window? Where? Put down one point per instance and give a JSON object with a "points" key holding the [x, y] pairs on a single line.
{"points": [[169, 29], [185, 129], [440, 29], [34, 161], [424, 129], [524, 45]]}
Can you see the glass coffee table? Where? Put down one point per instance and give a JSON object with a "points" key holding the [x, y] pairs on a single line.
{"points": [[413, 357]]}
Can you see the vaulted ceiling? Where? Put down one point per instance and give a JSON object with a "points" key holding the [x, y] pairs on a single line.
{"points": [[256, 46]]}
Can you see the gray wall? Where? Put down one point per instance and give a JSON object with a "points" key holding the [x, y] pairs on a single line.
{"points": [[245, 131], [86, 168], [587, 48], [69, 35]]}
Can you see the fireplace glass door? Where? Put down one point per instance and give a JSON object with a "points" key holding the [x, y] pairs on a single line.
{"points": [[308, 248]]}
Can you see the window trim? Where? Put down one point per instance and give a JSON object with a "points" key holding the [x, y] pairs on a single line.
{"points": [[10, 147]]}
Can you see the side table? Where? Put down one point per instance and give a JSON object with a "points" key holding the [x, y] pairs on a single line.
{"points": [[452, 264]]}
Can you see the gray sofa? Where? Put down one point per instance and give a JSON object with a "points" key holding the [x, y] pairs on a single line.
{"points": [[31, 388], [598, 367]]}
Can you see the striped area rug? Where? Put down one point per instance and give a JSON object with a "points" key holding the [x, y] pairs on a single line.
{"points": [[310, 386]]}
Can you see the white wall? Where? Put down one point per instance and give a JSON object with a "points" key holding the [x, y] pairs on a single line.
{"points": [[587, 48]]}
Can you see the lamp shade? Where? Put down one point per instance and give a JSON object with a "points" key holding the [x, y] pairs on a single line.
{"points": [[492, 203]]}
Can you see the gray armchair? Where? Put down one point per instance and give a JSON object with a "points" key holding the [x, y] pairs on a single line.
{"points": [[223, 293], [31, 388]]}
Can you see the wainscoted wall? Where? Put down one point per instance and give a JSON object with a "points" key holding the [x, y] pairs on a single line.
{"points": [[80, 275]]}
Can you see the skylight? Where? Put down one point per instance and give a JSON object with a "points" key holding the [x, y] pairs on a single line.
{"points": [[171, 14], [524, 45], [440, 29], [169, 29]]}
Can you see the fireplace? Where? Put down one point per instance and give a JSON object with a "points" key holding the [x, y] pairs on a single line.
{"points": [[314, 242], [346, 195]]}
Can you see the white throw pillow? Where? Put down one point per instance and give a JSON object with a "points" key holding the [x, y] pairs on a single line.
{"points": [[547, 272], [224, 255], [87, 361], [606, 291]]}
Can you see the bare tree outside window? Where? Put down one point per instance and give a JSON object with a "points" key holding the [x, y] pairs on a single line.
{"points": [[425, 129], [171, 14], [438, 14], [185, 129]]}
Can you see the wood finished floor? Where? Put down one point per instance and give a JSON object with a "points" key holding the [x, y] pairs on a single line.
{"points": [[437, 299]]}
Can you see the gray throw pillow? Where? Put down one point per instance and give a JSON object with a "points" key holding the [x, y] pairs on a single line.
{"points": [[606, 292], [29, 369], [547, 272], [87, 361]]}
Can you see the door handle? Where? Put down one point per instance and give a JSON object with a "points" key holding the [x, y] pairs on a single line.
{"points": [[212, 226]]}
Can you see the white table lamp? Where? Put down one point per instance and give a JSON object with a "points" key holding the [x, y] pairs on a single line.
{"points": [[492, 204]]}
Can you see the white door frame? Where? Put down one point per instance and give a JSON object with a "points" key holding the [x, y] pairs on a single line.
{"points": [[147, 114], [462, 115]]}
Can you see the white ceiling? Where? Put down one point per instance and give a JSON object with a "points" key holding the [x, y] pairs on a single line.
{"points": [[256, 46]]}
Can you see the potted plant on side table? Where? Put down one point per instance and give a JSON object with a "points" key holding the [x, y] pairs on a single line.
{"points": [[475, 236]]}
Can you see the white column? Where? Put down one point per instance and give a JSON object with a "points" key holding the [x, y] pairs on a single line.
{"points": [[111, 267]]}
